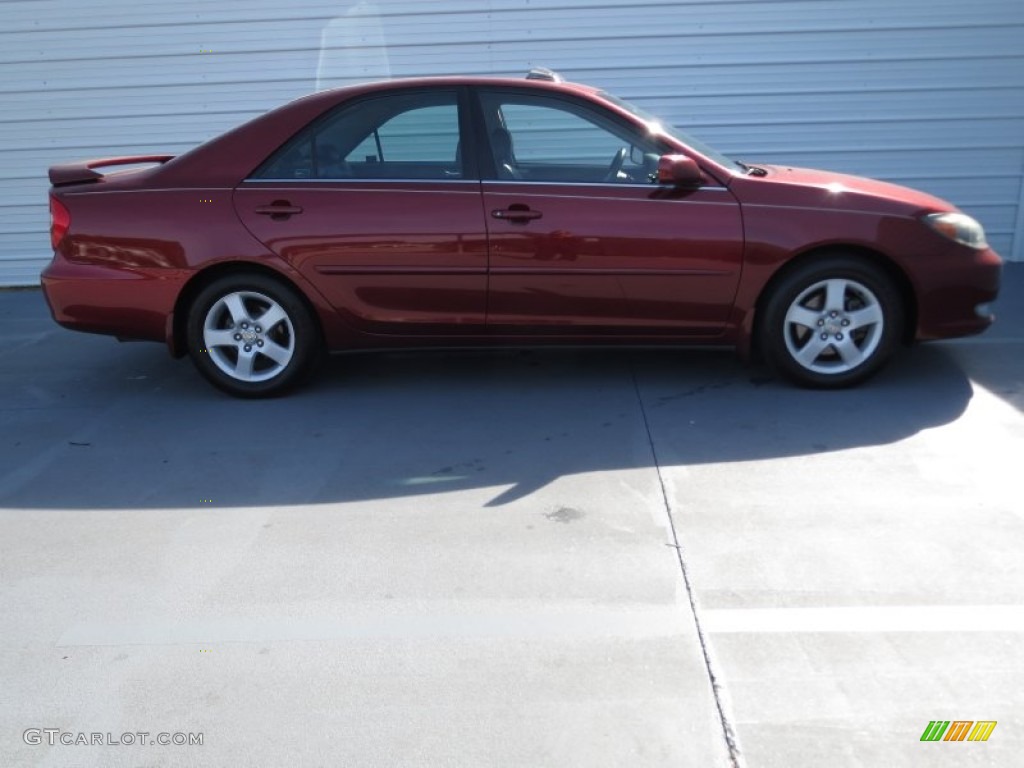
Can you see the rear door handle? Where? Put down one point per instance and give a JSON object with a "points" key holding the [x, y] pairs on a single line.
{"points": [[279, 209], [516, 213]]}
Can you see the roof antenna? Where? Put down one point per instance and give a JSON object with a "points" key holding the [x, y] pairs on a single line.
{"points": [[543, 73]]}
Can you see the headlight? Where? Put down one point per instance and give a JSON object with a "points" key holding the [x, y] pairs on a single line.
{"points": [[959, 227]]}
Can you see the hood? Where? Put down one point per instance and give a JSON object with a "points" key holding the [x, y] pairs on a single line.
{"points": [[806, 186]]}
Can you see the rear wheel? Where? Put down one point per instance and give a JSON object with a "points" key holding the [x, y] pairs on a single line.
{"points": [[833, 322], [252, 336]]}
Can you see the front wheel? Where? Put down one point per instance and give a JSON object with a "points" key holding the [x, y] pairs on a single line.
{"points": [[252, 336], [831, 323]]}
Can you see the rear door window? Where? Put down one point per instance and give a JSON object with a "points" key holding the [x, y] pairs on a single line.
{"points": [[402, 135]]}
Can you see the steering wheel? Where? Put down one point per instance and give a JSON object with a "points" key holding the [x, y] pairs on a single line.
{"points": [[616, 166]]}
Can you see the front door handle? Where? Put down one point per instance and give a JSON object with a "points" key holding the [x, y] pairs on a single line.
{"points": [[278, 210], [516, 213]]}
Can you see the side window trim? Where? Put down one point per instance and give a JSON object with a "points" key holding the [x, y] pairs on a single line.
{"points": [[376, 140]]}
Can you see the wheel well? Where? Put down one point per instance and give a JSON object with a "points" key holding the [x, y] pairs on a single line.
{"points": [[882, 262], [202, 279]]}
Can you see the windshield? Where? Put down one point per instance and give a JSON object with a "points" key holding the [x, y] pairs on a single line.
{"points": [[675, 133]]}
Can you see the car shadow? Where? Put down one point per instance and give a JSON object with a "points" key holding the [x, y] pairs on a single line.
{"points": [[101, 425]]}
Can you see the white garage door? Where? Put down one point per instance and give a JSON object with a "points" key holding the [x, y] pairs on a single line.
{"points": [[924, 92]]}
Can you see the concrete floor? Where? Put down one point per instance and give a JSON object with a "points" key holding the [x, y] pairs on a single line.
{"points": [[558, 558]]}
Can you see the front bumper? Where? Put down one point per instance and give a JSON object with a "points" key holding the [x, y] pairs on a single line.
{"points": [[955, 304]]}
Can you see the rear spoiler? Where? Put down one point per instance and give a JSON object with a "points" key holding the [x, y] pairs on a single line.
{"points": [[84, 170]]}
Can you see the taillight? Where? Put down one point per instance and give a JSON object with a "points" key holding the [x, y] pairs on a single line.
{"points": [[60, 220]]}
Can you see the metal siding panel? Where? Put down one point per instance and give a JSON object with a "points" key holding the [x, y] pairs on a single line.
{"points": [[925, 93], [1015, 249]]}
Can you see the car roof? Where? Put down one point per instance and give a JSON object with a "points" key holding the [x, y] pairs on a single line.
{"points": [[451, 81]]}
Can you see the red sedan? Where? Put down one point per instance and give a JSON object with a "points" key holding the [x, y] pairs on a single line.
{"points": [[475, 211]]}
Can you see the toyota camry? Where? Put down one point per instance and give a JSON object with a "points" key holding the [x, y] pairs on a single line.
{"points": [[467, 211]]}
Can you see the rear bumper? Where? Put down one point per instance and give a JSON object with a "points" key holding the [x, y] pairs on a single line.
{"points": [[130, 304]]}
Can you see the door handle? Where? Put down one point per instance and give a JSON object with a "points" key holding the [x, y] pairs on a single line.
{"points": [[279, 209], [516, 213]]}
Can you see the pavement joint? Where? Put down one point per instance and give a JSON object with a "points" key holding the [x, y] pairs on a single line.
{"points": [[714, 677]]}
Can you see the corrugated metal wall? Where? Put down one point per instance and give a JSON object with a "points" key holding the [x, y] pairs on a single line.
{"points": [[924, 92]]}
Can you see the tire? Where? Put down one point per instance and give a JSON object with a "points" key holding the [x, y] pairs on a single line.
{"points": [[832, 322], [252, 336]]}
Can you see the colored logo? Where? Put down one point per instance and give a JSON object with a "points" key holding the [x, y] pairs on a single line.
{"points": [[958, 730]]}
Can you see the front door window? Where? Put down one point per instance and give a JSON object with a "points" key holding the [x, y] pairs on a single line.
{"points": [[537, 138]]}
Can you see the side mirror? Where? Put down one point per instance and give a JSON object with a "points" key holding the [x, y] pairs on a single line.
{"points": [[679, 171]]}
